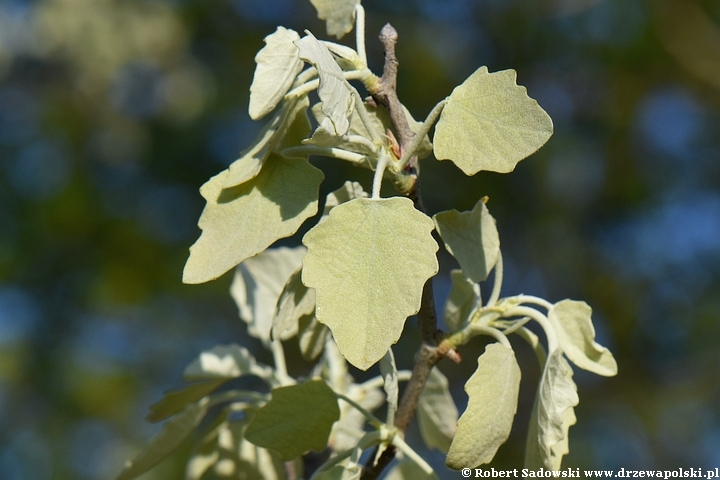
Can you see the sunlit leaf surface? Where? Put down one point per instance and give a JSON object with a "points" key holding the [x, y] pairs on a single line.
{"points": [[472, 238], [368, 263], [552, 416], [339, 15], [487, 420], [242, 221], [278, 64], [490, 123], [573, 324]]}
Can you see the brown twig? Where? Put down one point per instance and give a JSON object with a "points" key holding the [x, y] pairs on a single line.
{"points": [[384, 92]]}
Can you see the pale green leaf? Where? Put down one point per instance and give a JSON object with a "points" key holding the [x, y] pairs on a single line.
{"points": [[547, 439], [297, 418], [334, 91], [347, 58], [324, 136], [489, 123], [472, 238], [347, 192], [351, 471], [464, 298], [389, 373], [312, 336], [381, 122], [406, 469], [573, 324], [174, 401], [287, 128], [349, 429], [278, 64], [487, 421], [243, 221], [339, 15], [257, 285], [295, 302], [437, 413], [225, 362], [173, 433], [368, 263]]}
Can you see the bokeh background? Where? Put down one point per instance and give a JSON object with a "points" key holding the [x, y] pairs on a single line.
{"points": [[114, 112]]}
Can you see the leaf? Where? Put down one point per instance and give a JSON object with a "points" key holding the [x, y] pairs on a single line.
{"points": [[243, 221], [297, 418], [368, 263], [278, 64], [334, 91], [463, 300], [389, 373], [225, 362], [286, 129], [347, 192], [295, 302], [437, 413], [547, 439], [351, 471], [202, 458], [173, 433], [347, 58], [338, 14], [487, 421], [257, 285], [489, 123], [380, 119], [572, 321], [312, 336], [472, 238], [174, 401]]}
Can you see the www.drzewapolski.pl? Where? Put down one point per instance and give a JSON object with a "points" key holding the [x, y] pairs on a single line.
{"points": [[577, 473]]}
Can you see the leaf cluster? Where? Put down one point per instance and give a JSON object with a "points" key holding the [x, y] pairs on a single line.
{"points": [[346, 293]]}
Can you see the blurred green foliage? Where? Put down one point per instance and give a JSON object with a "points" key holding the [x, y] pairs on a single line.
{"points": [[113, 113]]}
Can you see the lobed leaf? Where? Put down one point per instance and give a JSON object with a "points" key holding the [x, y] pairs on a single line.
{"points": [[339, 15], [463, 300], [297, 418], [487, 421], [334, 91], [278, 64], [368, 263], [437, 413], [572, 321], [286, 129], [242, 221], [472, 238], [489, 123], [173, 433], [257, 286], [351, 471], [552, 416]]}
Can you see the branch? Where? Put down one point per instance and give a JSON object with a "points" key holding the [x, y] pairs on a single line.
{"points": [[384, 92]]}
